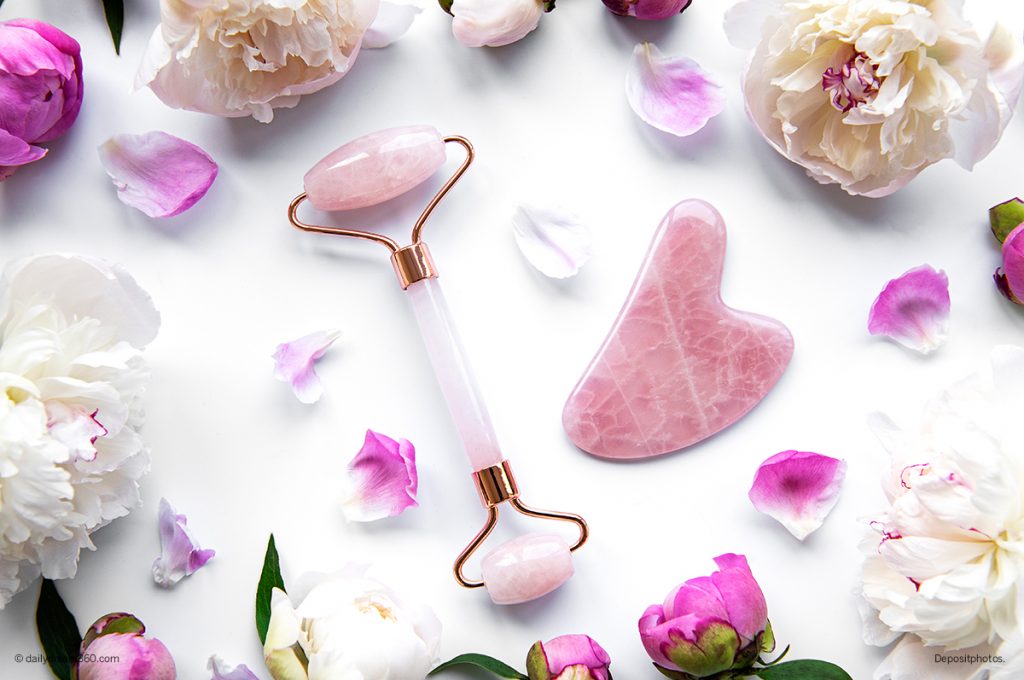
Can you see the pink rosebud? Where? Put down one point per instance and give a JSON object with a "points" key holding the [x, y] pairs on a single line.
{"points": [[569, 657], [709, 624], [1010, 277], [651, 10], [114, 649], [40, 89]]}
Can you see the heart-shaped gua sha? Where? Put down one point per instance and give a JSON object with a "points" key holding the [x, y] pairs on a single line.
{"points": [[678, 365]]}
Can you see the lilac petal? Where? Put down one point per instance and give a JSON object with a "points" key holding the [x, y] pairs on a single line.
{"points": [[383, 479], [157, 173], [798, 489], [394, 18], [672, 94], [294, 361], [552, 239], [748, 611], [221, 671], [913, 310], [180, 555]]}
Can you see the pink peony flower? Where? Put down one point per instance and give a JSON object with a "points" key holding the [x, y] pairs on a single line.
{"points": [[40, 90], [125, 654]]}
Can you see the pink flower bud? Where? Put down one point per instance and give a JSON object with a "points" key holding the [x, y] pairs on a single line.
{"points": [[569, 657], [1010, 276], [115, 649], [652, 10]]}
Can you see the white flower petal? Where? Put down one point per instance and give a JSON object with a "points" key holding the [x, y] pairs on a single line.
{"points": [[394, 19], [672, 94], [157, 173], [552, 239], [294, 363]]}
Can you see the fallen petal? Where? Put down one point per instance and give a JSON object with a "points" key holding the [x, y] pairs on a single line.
{"points": [[157, 173], [180, 555], [294, 361], [221, 671], [382, 479], [798, 489], [393, 21], [673, 94], [913, 310], [552, 239]]}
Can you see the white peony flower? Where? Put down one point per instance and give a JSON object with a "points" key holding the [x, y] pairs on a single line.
{"points": [[945, 563], [247, 57], [72, 377], [868, 93], [348, 625]]}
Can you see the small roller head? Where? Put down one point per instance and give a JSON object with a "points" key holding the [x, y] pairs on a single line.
{"points": [[526, 568]]}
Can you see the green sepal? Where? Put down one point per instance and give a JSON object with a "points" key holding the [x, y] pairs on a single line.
{"points": [[537, 663], [58, 632], [118, 622], [549, 5], [1006, 217], [768, 638], [270, 578], [446, 5], [713, 652], [501, 669], [804, 669]]}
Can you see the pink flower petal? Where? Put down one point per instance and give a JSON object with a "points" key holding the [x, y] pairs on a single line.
{"points": [[913, 310], [671, 93], [180, 555], [75, 427], [798, 489], [15, 151], [383, 479], [294, 363], [157, 173], [221, 671]]}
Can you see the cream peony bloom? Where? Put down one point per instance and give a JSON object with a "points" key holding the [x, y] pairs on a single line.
{"points": [[348, 625], [868, 93], [72, 377], [247, 57], [945, 563]]}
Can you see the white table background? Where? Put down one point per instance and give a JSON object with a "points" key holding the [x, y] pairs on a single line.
{"points": [[241, 457]]}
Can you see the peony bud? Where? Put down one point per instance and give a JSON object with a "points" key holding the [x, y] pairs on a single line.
{"points": [[40, 90], [1010, 277], [569, 657], [493, 23], [650, 10], [114, 649], [709, 624]]}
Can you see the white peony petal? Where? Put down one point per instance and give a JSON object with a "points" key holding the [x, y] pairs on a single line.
{"points": [[294, 363], [552, 239], [798, 489], [394, 19], [158, 173], [745, 21], [672, 94]]}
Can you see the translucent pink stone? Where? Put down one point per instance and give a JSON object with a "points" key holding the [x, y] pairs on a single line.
{"points": [[375, 168], [526, 568], [678, 365]]}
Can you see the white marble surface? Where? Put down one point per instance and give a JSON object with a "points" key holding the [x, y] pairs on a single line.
{"points": [[236, 452]]}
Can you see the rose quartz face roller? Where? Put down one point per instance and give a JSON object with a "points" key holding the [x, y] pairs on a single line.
{"points": [[372, 170]]}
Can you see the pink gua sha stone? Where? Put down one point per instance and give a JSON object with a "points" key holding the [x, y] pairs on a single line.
{"points": [[375, 168], [678, 365]]}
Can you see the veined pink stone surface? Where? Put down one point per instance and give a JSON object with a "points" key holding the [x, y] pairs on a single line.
{"points": [[678, 365], [375, 168], [526, 568]]}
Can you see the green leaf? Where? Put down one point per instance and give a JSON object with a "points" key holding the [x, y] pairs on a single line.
{"points": [[500, 669], [270, 578], [1006, 217], [805, 669], [58, 631], [446, 5], [114, 11]]}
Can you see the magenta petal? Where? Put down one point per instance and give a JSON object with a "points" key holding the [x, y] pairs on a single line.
{"points": [[913, 310], [180, 555], [157, 173], [1013, 262], [577, 650], [748, 611], [798, 489], [696, 595], [294, 363], [14, 151], [672, 94], [383, 479], [221, 671]]}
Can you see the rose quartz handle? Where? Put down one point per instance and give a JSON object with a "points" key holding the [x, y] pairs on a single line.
{"points": [[375, 168], [454, 374]]}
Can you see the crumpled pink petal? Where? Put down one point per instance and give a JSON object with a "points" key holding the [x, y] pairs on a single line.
{"points": [[394, 18], [221, 671], [798, 489], [673, 94], [75, 427], [294, 363], [157, 173], [382, 479], [913, 310], [180, 555]]}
